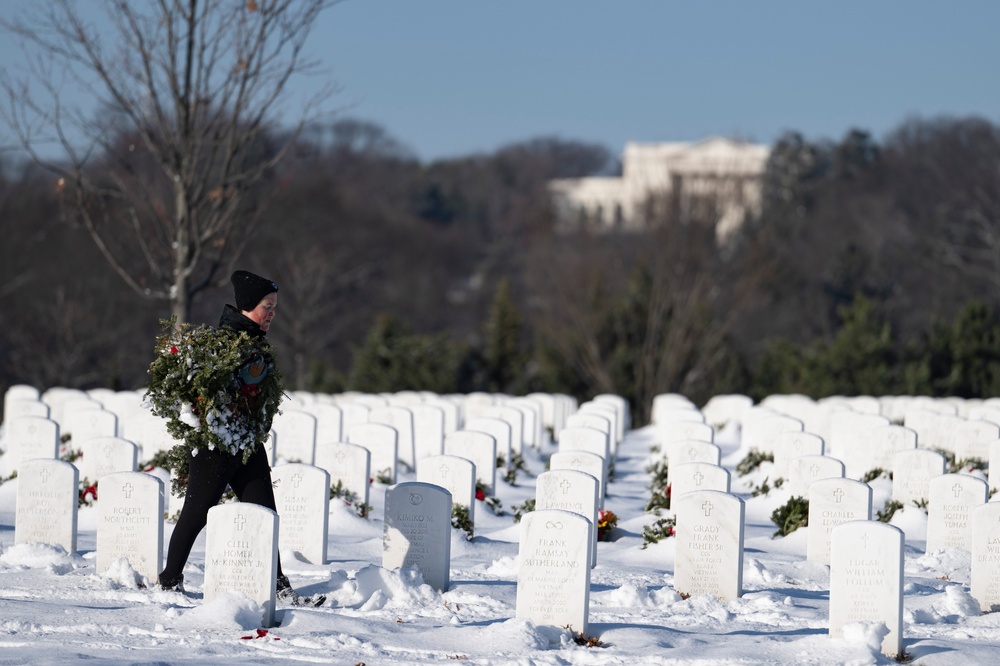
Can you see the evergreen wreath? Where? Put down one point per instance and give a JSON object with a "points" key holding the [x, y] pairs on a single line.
{"points": [[195, 384]]}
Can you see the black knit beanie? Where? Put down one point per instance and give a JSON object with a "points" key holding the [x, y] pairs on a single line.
{"points": [[249, 289]]}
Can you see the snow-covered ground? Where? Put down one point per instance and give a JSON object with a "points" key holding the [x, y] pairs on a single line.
{"points": [[56, 608]]}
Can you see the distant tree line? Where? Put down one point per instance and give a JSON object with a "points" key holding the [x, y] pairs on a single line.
{"points": [[873, 268]]}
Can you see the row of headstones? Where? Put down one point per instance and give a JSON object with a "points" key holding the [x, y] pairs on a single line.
{"points": [[866, 581], [817, 414], [242, 538], [541, 412], [420, 427]]}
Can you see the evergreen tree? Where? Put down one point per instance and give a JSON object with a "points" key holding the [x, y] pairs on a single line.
{"points": [[394, 359], [503, 356]]}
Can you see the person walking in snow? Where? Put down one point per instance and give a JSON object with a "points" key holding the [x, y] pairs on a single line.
{"points": [[213, 457]]}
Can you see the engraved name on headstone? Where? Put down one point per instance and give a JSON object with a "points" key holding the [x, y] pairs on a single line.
{"points": [[866, 579], [709, 548], [130, 522], [417, 531], [832, 502], [241, 554], [553, 573], [302, 498], [47, 499]]}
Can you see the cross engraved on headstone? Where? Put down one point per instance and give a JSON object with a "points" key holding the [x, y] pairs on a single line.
{"points": [[45, 476], [296, 480], [565, 484], [814, 470], [692, 452], [443, 470], [108, 450], [340, 457], [865, 538], [239, 521], [707, 508], [838, 494], [957, 489], [698, 478], [127, 489], [576, 462]]}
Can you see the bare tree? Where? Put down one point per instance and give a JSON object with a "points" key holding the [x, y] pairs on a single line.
{"points": [[169, 176]]}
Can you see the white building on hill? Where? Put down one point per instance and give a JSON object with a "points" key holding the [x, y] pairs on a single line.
{"points": [[729, 172]]}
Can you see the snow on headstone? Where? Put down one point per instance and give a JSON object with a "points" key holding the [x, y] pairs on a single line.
{"points": [[417, 531], [553, 573], [130, 522], [866, 579], [241, 554]]}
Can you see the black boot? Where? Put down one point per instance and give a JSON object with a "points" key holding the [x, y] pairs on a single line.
{"points": [[171, 582], [286, 594]]}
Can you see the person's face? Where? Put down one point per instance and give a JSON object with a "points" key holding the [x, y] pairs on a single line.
{"points": [[264, 312]]}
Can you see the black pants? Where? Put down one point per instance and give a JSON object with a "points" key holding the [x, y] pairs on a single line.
{"points": [[210, 473]]}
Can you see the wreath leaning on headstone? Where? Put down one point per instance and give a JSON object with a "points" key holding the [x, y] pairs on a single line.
{"points": [[195, 384]]}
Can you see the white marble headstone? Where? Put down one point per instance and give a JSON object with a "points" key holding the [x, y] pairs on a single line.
{"points": [[794, 444], [130, 522], [831, 503], [498, 429], [329, 421], [569, 490], [302, 498], [675, 431], [582, 461], [984, 584], [689, 477], [29, 437], [709, 544], [417, 531], [241, 554], [952, 498], [912, 471], [973, 439], [84, 424], [481, 449], [380, 440], [400, 418], [47, 499], [553, 572], [456, 475], [591, 440], [296, 436], [514, 417], [349, 464], [804, 470], [866, 579], [428, 431], [106, 455]]}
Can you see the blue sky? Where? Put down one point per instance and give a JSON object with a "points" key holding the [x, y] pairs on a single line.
{"points": [[455, 77]]}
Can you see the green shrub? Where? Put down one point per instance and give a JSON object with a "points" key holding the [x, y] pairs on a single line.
{"points": [[790, 516]]}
